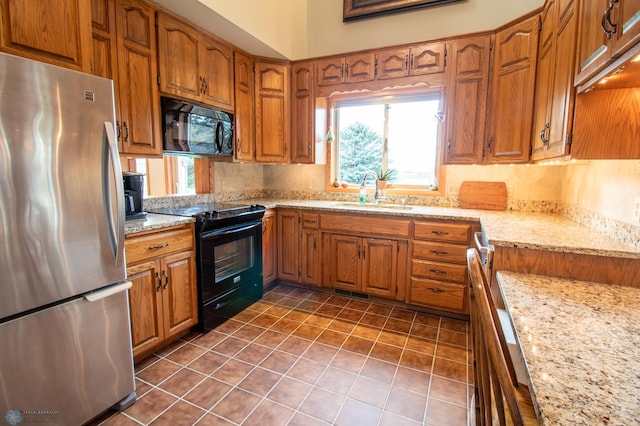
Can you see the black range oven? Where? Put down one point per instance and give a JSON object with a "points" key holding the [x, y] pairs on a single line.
{"points": [[229, 258]]}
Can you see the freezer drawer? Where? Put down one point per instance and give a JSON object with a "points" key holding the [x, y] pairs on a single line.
{"points": [[68, 363]]}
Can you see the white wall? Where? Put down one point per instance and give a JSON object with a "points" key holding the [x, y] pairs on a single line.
{"points": [[606, 187], [328, 35], [300, 29]]}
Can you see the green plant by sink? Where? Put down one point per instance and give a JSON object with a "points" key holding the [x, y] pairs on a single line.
{"points": [[387, 174]]}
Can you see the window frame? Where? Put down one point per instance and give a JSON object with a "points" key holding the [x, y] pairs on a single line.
{"points": [[364, 98]]}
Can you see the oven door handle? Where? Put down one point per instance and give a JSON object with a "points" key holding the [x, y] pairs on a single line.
{"points": [[230, 230]]}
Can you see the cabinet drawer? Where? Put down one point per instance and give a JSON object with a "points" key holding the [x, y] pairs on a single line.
{"points": [[449, 232], [440, 252], [310, 220], [437, 294], [439, 271], [364, 224], [158, 244]]}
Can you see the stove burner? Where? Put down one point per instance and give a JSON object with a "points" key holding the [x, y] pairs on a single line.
{"points": [[208, 211]]}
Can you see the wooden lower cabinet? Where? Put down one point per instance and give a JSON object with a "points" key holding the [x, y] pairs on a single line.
{"points": [[438, 266], [269, 248], [365, 254], [366, 265], [298, 247], [163, 299]]}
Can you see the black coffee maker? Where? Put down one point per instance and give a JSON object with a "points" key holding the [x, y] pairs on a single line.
{"points": [[133, 191]]}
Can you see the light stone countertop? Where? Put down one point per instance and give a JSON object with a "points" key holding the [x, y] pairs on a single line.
{"points": [[581, 345], [508, 229], [154, 221]]}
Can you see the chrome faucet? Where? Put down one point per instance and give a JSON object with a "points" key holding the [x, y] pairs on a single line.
{"points": [[364, 179]]}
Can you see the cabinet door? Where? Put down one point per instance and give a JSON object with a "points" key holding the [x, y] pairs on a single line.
{"points": [[56, 31], [309, 258], [105, 53], [562, 90], [269, 248], [344, 262], [137, 73], [244, 107], [145, 306], [273, 130], [180, 299], [359, 68], [427, 59], [627, 20], [330, 71], [511, 99], [593, 50], [288, 245], [468, 78], [380, 264], [392, 63], [217, 72], [302, 113], [544, 81], [103, 22], [179, 59]]}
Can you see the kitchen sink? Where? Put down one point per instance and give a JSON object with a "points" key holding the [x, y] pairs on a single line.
{"points": [[373, 206]]}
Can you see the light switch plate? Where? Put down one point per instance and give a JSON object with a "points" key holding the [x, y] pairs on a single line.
{"points": [[636, 210]]}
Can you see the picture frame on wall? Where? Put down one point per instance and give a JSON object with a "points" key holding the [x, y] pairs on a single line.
{"points": [[361, 9]]}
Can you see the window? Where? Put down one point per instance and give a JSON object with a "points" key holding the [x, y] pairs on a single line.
{"points": [[167, 175], [388, 132]]}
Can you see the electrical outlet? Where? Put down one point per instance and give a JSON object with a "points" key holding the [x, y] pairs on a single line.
{"points": [[636, 210]]}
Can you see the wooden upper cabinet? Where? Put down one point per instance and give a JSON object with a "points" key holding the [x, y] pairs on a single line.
{"points": [[544, 80], [57, 31], [137, 91], [512, 88], [427, 58], [607, 29], [192, 65], [302, 113], [244, 112], [103, 24], [468, 80], [124, 50], [350, 69], [217, 72], [273, 112], [555, 93]]}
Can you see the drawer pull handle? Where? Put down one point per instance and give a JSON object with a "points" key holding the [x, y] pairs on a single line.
{"points": [[439, 253], [436, 290], [159, 281], [437, 272], [166, 279], [440, 232], [158, 246]]}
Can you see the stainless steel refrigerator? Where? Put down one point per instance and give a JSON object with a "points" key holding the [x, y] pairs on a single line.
{"points": [[65, 338]]}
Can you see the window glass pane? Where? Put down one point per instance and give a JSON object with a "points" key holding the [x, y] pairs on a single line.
{"points": [[141, 167], [413, 137], [185, 181], [360, 130]]}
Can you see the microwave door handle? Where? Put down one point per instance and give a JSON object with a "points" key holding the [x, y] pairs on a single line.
{"points": [[219, 137]]}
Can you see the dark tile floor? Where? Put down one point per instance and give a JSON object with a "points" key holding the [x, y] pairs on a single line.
{"points": [[300, 357]]}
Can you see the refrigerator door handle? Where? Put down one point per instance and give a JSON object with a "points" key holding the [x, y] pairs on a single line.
{"points": [[111, 163], [109, 291]]}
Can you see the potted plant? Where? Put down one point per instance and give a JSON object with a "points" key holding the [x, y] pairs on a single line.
{"points": [[384, 176]]}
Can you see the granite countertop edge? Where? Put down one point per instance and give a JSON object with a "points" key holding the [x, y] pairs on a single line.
{"points": [[538, 231]]}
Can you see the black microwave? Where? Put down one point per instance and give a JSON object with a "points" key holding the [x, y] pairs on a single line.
{"points": [[189, 128]]}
